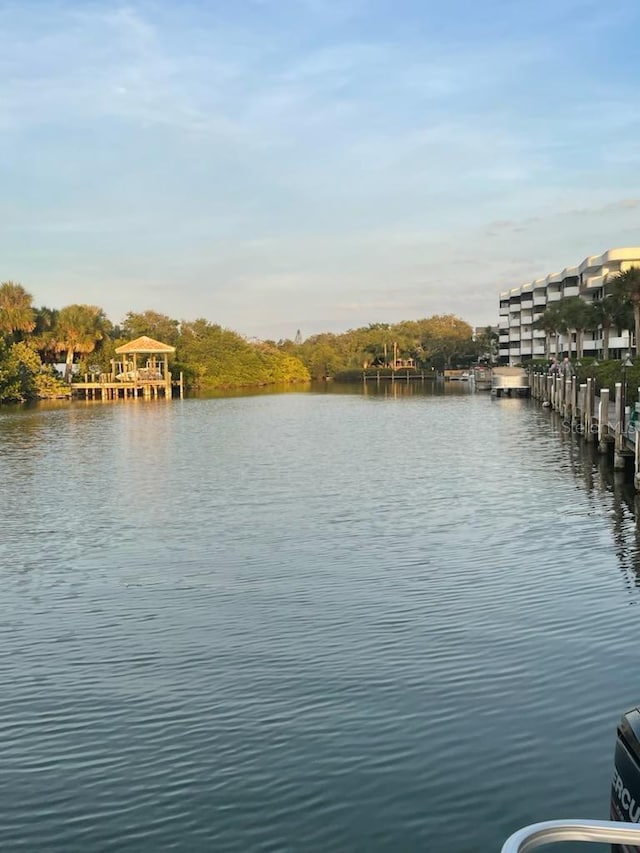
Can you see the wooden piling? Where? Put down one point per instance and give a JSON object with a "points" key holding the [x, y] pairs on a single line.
{"points": [[588, 412], [603, 420], [636, 455], [618, 458]]}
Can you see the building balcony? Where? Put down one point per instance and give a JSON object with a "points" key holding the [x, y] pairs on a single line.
{"points": [[526, 317], [527, 303], [619, 342], [503, 351], [514, 321], [538, 349], [526, 335], [540, 299], [573, 290], [554, 296], [593, 282], [514, 336]]}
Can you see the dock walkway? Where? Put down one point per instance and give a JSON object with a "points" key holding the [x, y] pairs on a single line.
{"points": [[597, 418]]}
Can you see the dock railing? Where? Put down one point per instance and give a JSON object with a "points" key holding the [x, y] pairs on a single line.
{"points": [[554, 831]]}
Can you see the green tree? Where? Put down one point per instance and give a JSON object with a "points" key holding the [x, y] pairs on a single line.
{"points": [[575, 314], [446, 336], [551, 323], [609, 313], [78, 329], [487, 344], [16, 309], [625, 286], [42, 336], [23, 376], [216, 358], [154, 325]]}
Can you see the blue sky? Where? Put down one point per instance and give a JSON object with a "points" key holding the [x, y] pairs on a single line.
{"points": [[315, 164]]}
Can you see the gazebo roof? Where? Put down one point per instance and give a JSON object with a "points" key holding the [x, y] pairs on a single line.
{"points": [[144, 344]]}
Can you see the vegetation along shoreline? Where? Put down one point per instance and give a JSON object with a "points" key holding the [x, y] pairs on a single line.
{"points": [[43, 351]]}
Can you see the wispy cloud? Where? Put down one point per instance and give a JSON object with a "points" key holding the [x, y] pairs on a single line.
{"points": [[331, 160]]}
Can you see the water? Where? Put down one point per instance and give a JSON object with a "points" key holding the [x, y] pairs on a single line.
{"points": [[311, 621]]}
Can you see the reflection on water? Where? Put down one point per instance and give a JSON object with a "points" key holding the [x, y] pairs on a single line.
{"points": [[611, 493]]}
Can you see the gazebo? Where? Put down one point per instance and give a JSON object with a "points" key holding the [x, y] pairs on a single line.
{"points": [[152, 372]]}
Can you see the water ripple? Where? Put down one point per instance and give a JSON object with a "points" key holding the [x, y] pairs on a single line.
{"points": [[310, 621]]}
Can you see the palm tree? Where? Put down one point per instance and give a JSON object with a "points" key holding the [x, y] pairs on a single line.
{"points": [[42, 335], [606, 314], [16, 312], [626, 287], [78, 330], [550, 322], [575, 314]]}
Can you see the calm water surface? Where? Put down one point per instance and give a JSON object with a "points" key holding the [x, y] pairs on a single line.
{"points": [[312, 621]]}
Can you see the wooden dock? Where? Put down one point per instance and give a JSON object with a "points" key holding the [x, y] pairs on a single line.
{"points": [[390, 375], [595, 417], [108, 389], [130, 378]]}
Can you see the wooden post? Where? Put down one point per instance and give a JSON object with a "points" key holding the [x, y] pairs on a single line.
{"points": [[636, 455], [573, 402], [588, 413], [603, 420], [181, 385], [167, 378], [618, 458], [582, 394]]}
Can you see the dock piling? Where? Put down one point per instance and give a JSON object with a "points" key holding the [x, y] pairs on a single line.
{"points": [[588, 411], [618, 458], [603, 420]]}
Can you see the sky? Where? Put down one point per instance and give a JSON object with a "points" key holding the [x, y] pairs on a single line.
{"points": [[275, 165]]}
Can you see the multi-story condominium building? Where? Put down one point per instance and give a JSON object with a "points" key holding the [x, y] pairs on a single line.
{"points": [[522, 306]]}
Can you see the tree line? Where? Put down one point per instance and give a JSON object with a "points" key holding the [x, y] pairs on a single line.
{"points": [[619, 309], [81, 337], [439, 341]]}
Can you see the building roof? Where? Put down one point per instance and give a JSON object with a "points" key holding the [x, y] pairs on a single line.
{"points": [[144, 344]]}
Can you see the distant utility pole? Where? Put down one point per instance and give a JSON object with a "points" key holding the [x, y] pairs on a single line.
{"points": [[298, 338]]}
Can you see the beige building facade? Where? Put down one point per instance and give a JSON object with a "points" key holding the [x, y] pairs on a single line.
{"points": [[522, 306]]}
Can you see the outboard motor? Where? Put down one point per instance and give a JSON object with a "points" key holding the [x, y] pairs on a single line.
{"points": [[625, 787]]}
